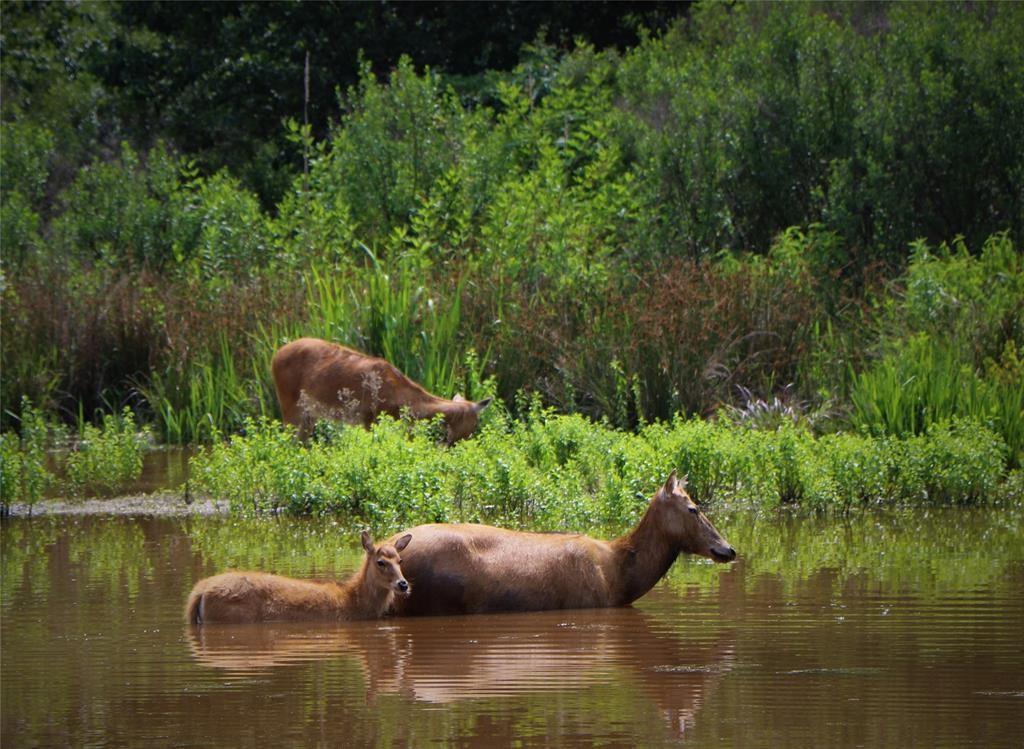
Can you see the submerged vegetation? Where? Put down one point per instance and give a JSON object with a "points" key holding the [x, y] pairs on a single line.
{"points": [[778, 247]]}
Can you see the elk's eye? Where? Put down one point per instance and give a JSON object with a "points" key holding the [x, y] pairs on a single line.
{"points": [[693, 510], [380, 563]]}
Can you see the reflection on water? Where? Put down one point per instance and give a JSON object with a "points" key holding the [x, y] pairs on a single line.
{"points": [[870, 630], [444, 661]]}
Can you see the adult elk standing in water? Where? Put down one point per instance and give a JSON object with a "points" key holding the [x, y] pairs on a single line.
{"points": [[461, 569], [319, 379]]}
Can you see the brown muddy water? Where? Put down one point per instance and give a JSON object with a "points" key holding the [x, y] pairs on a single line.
{"points": [[879, 629]]}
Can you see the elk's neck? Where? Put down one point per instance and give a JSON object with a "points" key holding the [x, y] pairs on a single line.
{"points": [[448, 408], [430, 405], [359, 598], [643, 555]]}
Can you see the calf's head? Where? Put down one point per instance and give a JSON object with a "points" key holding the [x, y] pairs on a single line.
{"points": [[683, 521], [383, 564]]}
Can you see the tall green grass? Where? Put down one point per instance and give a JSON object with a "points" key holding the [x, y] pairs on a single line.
{"points": [[391, 311], [395, 309], [209, 396], [414, 329], [950, 343], [927, 382]]}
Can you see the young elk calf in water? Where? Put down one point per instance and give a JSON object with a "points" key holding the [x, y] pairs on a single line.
{"points": [[258, 597]]}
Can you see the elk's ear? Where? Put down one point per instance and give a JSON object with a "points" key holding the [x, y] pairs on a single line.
{"points": [[458, 398], [367, 541], [671, 484], [684, 481], [403, 542], [481, 405]]}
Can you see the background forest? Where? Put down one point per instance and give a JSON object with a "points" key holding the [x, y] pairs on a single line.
{"points": [[806, 215]]}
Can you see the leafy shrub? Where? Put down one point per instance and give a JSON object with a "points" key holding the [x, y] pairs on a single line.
{"points": [[974, 302], [19, 229], [393, 143], [25, 152], [955, 461], [556, 472], [120, 212], [230, 231], [107, 458], [23, 473]]}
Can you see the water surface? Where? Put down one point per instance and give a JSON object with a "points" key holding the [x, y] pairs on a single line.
{"points": [[898, 628]]}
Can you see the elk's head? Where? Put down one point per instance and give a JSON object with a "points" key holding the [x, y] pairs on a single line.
{"points": [[683, 521], [384, 564], [461, 420]]}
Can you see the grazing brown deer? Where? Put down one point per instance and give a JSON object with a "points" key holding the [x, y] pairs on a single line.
{"points": [[456, 569], [258, 597], [317, 379]]}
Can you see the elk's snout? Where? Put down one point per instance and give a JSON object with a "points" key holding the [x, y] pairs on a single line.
{"points": [[723, 553], [403, 587]]}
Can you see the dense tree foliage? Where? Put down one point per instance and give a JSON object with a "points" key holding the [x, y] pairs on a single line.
{"points": [[217, 79]]}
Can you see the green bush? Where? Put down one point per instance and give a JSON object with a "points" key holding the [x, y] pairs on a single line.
{"points": [[974, 302], [25, 152], [556, 472], [119, 212], [107, 458], [23, 472], [395, 141], [229, 231]]}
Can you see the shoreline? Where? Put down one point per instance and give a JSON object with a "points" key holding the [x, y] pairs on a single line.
{"points": [[157, 504]]}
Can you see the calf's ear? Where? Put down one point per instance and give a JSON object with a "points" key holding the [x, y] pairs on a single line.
{"points": [[403, 542], [367, 541], [481, 405], [458, 398]]}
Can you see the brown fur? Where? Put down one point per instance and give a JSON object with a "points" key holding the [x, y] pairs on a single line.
{"points": [[256, 596], [478, 568], [318, 379]]}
